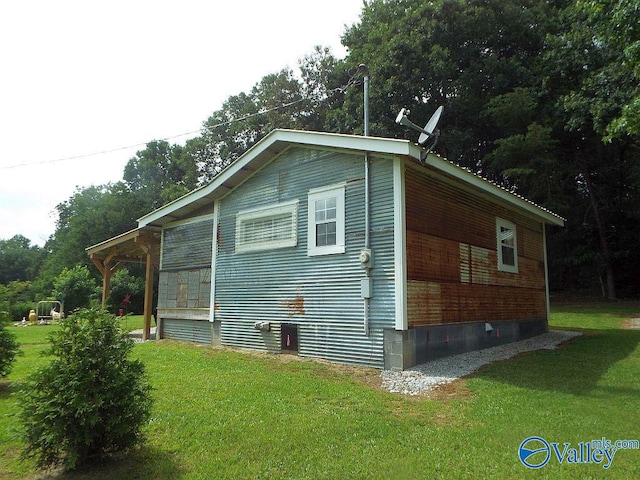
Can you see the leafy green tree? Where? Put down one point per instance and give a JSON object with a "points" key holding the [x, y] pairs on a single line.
{"points": [[16, 299], [161, 173], [531, 90], [321, 75], [274, 102], [448, 52], [591, 89], [615, 27], [74, 287], [123, 284], [90, 216], [19, 260], [90, 401], [9, 347]]}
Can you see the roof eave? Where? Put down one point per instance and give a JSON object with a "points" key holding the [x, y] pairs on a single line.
{"points": [[270, 146]]}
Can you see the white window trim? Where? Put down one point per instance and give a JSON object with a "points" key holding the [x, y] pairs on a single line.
{"points": [[315, 194], [502, 267], [280, 209]]}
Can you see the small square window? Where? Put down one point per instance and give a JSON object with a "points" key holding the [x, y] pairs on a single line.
{"points": [[326, 220], [507, 246]]}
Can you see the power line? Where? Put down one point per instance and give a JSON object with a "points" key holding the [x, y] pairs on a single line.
{"points": [[137, 145]]}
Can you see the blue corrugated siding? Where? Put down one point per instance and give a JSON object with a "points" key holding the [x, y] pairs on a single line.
{"points": [[188, 330], [321, 294]]}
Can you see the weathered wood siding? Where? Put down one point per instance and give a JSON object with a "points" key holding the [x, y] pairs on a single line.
{"points": [[452, 264]]}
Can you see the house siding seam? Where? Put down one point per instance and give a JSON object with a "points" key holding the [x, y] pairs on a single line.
{"points": [[319, 294]]}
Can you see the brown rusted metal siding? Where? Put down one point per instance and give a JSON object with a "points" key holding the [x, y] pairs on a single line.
{"points": [[452, 263]]}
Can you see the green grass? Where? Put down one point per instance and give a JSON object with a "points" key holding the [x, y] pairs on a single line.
{"points": [[225, 414]]}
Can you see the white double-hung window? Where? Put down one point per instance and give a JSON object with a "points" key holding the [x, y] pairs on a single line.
{"points": [[507, 246], [266, 228], [326, 219]]}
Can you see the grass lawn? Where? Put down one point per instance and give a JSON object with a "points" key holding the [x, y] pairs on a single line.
{"points": [[225, 414]]}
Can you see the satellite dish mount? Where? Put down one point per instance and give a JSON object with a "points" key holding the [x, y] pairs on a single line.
{"points": [[428, 133]]}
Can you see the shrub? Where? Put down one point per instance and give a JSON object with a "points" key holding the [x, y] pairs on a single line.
{"points": [[91, 401], [74, 287], [124, 283], [9, 348]]}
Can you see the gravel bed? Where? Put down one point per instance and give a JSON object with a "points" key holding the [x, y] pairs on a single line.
{"points": [[422, 378]]}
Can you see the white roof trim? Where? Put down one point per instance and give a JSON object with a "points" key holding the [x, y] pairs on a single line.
{"points": [[225, 181]]}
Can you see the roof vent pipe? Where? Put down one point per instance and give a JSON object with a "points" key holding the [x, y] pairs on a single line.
{"points": [[362, 68]]}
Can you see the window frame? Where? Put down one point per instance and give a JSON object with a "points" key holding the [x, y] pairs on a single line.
{"points": [[324, 193], [264, 213], [502, 266]]}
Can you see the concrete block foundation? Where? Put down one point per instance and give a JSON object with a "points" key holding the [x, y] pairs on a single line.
{"points": [[405, 348]]}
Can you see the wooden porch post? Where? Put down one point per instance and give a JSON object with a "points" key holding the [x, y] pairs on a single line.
{"points": [[147, 247], [106, 270]]}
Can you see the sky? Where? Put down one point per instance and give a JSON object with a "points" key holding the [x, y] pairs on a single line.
{"points": [[85, 85]]}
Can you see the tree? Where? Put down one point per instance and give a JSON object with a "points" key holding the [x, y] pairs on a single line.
{"points": [[275, 102], [75, 287], [91, 401], [161, 173], [19, 260], [616, 25], [9, 347], [593, 89], [90, 216], [531, 89], [124, 284], [458, 54], [16, 299]]}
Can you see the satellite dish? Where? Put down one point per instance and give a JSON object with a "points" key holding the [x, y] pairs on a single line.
{"points": [[430, 127], [426, 133]]}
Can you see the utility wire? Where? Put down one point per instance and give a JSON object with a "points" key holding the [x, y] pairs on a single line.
{"points": [[137, 145]]}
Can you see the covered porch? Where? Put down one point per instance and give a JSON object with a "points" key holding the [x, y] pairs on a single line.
{"points": [[141, 245]]}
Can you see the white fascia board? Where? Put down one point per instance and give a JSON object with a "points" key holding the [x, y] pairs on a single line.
{"points": [[260, 153], [291, 137], [389, 146], [170, 207], [400, 245]]}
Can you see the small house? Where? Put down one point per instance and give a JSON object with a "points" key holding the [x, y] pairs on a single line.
{"points": [[358, 250]]}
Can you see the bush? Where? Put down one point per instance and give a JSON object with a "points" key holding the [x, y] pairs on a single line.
{"points": [[74, 287], [91, 401], [124, 283], [9, 348]]}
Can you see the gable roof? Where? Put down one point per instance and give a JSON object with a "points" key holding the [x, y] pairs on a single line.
{"points": [[279, 140]]}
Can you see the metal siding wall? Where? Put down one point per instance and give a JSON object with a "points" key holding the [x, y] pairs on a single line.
{"points": [[187, 245], [185, 278], [188, 330], [452, 259], [321, 294]]}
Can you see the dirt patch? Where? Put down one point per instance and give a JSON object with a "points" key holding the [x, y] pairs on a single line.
{"points": [[631, 324], [456, 390]]}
